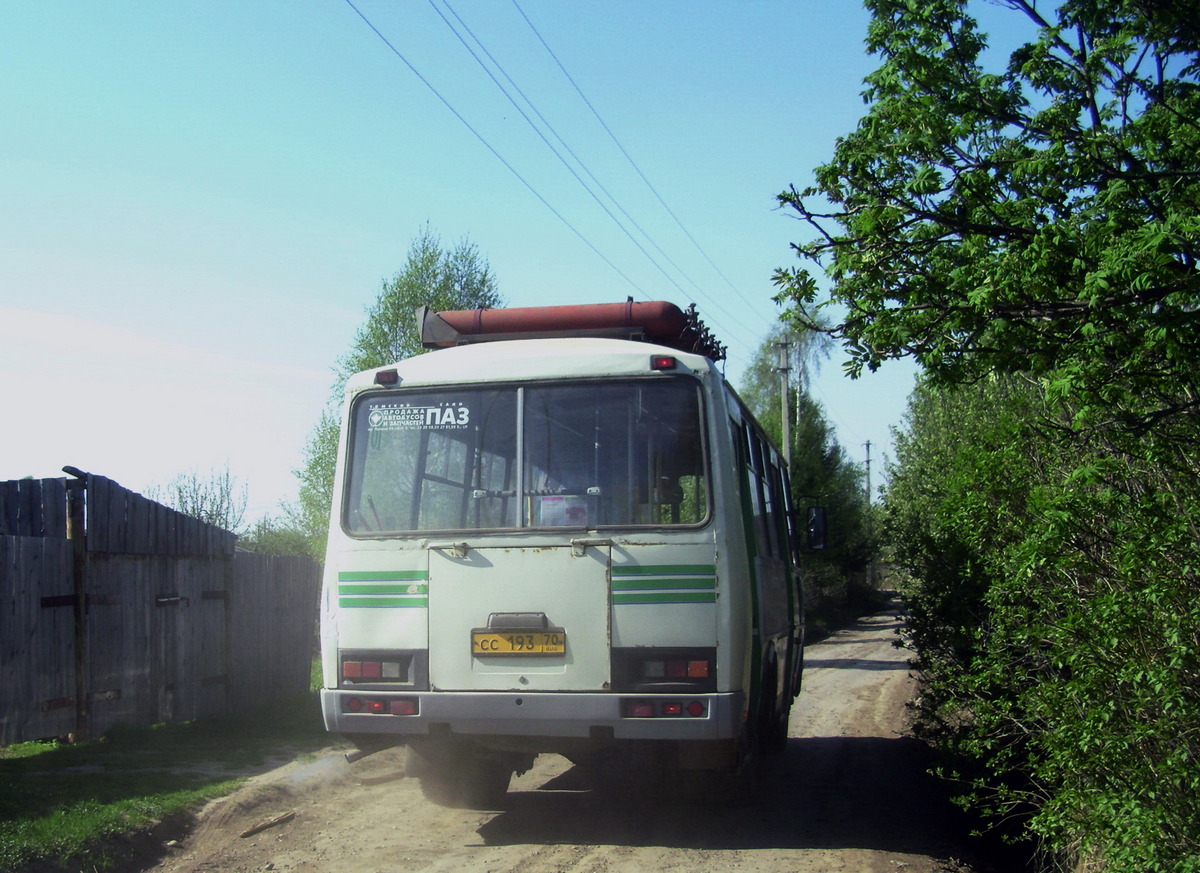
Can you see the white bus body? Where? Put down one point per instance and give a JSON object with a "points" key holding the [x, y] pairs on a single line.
{"points": [[571, 545]]}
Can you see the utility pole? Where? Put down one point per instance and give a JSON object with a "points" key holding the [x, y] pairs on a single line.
{"points": [[784, 368], [868, 447], [870, 523]]}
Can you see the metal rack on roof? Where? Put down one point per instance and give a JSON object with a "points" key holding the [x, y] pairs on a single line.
{"points": [[658, 322]]}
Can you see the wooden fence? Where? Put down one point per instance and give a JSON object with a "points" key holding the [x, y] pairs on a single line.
{"points": [[115, 609]]}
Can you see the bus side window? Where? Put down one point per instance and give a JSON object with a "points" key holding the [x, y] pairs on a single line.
{"points": [[757, 498], [779, 510]]}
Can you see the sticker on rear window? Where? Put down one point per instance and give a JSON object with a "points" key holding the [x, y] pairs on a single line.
{"points": [[448, 416]]}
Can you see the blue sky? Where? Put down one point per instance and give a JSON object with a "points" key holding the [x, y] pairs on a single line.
{"points": [[198, 200]]}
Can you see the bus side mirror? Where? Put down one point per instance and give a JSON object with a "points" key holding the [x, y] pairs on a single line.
{"points": [[817, 528]]}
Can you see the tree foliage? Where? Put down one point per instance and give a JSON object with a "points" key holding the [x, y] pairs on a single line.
{"points": [[1038, 218], [277, 536], [1027, 229], [1054, 600], [217, 498], [821, 473], [434, 276]]}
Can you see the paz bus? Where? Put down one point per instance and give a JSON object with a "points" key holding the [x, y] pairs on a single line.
{"points": [[559, 532]]}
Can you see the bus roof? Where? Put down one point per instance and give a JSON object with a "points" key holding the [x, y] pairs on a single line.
{"points": [[522, 360]]}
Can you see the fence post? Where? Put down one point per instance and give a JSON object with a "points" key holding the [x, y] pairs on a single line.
{"points": [[77, 534]]}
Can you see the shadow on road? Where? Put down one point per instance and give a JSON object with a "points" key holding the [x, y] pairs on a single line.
{"points": [[822, 793], [854, 664]]}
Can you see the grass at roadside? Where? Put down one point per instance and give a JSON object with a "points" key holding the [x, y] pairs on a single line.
{"points": [[60, 803]]}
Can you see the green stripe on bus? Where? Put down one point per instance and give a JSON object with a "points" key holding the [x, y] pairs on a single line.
{"points": [[384, 576], [669, 584], [665, 597], [382, 602], [666, 570], [380, 588]]}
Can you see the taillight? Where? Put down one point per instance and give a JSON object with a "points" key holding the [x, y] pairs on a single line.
{"points": [[382, 706], [367, 671], [638, 709], [676, 671], [668, 708]]}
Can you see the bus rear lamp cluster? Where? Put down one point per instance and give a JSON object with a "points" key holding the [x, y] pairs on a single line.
{"points": [[663, 709], [675, 669], [367, 670], [375, 706]]}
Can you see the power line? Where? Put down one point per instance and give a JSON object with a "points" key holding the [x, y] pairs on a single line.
{"points": [[573, 154], [529, 186], [541, 135], [491, 149], [629, 157]]}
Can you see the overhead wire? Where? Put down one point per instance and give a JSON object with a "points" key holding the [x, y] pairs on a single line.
{"points": [[536, 129], [629, 157], [768, 322], [483, 140], [529, 186], [582, 164]]}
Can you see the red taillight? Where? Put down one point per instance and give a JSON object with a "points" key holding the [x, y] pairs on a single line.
{"points": [[639, 709], [405, 707], [676, 669], [374, 670], [663, 709], [662, 362], [400, 706]]}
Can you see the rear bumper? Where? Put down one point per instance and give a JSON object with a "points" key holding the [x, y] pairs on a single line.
{"points": [[560, 715]]}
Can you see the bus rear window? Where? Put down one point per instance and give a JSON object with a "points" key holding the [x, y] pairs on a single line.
{"points": [[575, 455]]}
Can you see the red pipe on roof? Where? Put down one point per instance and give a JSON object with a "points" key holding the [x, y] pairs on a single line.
{"points": [[658, 320]]}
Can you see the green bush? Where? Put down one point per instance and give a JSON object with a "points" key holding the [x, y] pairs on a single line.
{"points": [[1055, 598]]}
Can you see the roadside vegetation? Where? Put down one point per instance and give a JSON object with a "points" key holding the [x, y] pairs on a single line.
{"points": [[434, 276], [841, 580], [79, 806], [1024, 221]]}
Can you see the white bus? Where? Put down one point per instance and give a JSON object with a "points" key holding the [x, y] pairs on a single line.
{"points": [[549, 540]]}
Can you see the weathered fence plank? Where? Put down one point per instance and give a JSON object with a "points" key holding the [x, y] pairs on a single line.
{"points": [[33, 508], [122, 521], [272, 627], [37, 648], [176, 626]]}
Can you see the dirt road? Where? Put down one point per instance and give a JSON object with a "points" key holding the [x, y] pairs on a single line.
{"points": [[848, 794]]}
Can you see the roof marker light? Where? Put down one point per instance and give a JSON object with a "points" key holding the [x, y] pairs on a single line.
{"points": [[387, 377], [662, 362]]}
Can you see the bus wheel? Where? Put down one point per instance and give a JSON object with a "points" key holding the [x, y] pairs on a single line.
{"points": [[772, 722]]}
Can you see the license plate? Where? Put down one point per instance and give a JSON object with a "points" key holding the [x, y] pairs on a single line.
{"points": [[518, 642]]}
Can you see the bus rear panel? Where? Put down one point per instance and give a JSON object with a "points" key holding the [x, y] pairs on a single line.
{"points": [[550, 546]]}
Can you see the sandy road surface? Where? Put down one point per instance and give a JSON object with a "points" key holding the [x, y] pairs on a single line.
{"points": [[848, 794]]}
